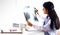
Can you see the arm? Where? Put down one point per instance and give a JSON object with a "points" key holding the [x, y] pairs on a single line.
{"points": [[43, 28], [35, 26], [40, 28]]}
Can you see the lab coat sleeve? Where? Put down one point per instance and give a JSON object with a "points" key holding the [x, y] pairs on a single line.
{"points": [[47, 26], [43, 28], [37, 27]]}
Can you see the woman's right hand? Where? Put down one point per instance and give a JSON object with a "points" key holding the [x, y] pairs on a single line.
{"points": [[36, 11]]}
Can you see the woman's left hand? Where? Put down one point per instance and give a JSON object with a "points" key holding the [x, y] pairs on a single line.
{"points": [[29, 23]]}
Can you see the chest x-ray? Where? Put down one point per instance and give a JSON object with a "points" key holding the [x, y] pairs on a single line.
{"points": [[29, 14]]}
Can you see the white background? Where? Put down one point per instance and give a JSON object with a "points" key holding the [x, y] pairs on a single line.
{"points": [[11, 11]]}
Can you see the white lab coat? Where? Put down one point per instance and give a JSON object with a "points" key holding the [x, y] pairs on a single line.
{"points": [[46, 27]]}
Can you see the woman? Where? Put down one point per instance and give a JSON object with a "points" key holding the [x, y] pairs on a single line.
{"points": [[51, 23]]}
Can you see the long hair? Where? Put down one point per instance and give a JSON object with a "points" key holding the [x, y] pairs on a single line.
{"points": [[52, 14]]}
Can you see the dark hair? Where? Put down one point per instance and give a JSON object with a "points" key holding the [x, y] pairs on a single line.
{"points": [[52, 14]]}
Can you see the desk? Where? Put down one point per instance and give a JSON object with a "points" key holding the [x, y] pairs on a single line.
{"points": [[33, 33]]}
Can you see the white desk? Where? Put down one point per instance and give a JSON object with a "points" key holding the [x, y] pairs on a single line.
{"points": [[33, 33]]}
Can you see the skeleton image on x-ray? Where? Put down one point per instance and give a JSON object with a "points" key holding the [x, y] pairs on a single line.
{"points": [[27, 15]]}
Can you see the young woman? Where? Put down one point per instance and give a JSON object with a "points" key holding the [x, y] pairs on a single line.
{"points": [[51, 23]]}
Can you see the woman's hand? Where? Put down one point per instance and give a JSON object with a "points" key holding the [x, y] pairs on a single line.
{"points": [[36, 11], [29, 23]]}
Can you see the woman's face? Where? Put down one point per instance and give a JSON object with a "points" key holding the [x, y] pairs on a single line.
{"points": [[45, 10]]}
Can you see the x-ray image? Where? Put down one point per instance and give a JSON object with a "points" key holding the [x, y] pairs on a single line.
{"points": [[27, 16]]}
